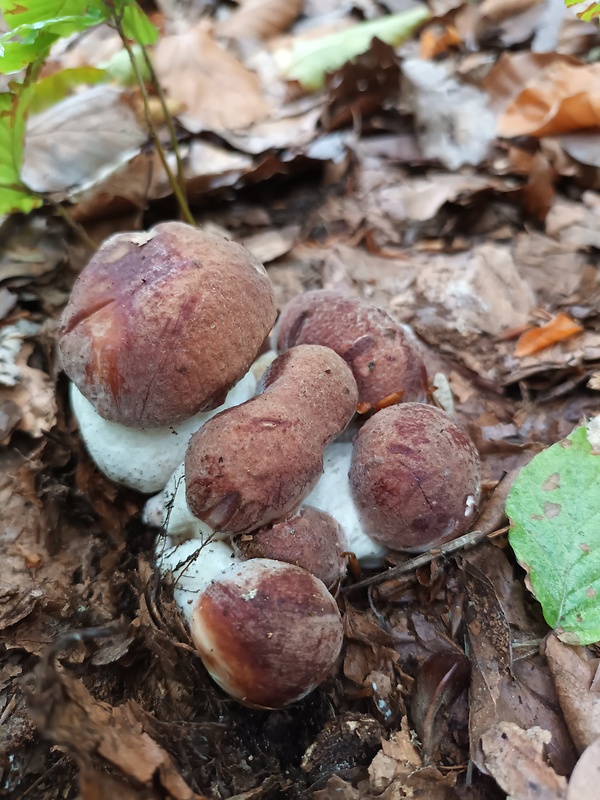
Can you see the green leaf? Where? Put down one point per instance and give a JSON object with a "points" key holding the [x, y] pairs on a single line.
{"points": [[120, 69], [15, 56], [554, 509], [311, 59], [31, 42], [14, 196], [48, 91], [136, 24], [40, 12], [590, 13]]}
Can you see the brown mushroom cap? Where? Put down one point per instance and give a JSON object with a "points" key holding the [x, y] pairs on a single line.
{"points": [[415, 477], [160, 325], [254, 463], [384, 359], [311, 539], [267, 632]]}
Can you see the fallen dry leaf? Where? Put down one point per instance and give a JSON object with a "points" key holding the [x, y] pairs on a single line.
{"points": [[67, 714], [514, 71], [26, 390], [585, 778], [259, 19], [435, 41], [558, 329], [216, 90], [573, 669], [515, 759], [74, 141], [562, 98]]}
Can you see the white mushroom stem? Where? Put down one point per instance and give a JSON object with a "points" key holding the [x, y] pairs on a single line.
{"points": [[144, 459], [333, 495], [194, 565]]}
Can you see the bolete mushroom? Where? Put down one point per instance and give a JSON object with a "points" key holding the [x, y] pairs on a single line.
{"points": [[254, 464], [159, 327], [267, 632], [383, 354]]}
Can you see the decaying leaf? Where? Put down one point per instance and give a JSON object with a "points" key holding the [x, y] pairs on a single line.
{"points": [[73, 142], [217, 92], [515, 759], [573, 671], [585, 778], [455, 123], [562, 98], [27, 390]]}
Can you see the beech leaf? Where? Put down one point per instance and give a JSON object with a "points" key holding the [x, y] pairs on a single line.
{"points": [[554, 509]]}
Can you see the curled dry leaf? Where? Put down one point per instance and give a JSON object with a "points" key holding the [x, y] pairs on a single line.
{"points": [[216, 90], [556, 330], [573, 670], [562, 98], [260, 19]]}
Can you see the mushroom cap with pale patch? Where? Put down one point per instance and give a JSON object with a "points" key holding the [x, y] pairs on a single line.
{"points": [[160, 325]]}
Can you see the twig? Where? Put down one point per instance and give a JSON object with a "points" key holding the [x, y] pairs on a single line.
{"points": [[463, 542], [76, 227]]}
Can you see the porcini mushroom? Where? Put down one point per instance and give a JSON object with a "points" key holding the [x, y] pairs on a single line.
{"points": [[310, 539], [159, 327], [415, 477], [253, 464], [267, 632], [383, 354]]}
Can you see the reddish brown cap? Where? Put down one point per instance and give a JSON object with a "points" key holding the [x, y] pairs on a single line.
{"points": [[267, 632], [254, 464], [415, 477], [311, 539], [160, 325], [383, 357]]}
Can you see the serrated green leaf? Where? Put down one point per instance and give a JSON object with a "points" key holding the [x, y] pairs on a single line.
{"points": [[14, 196], [48, 91], [310, 60], [554, 509]]}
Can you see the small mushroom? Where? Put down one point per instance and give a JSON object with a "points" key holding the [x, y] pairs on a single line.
{"points": [[254, 464], [159, 327], [267, 632], [383, 354], [310, 539], [415, 477]]}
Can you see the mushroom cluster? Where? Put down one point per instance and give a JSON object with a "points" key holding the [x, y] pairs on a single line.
{"points": [[159, 338]]}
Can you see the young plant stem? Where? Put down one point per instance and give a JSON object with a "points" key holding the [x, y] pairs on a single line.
{"points": [[178, 189], [167, 115]]}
